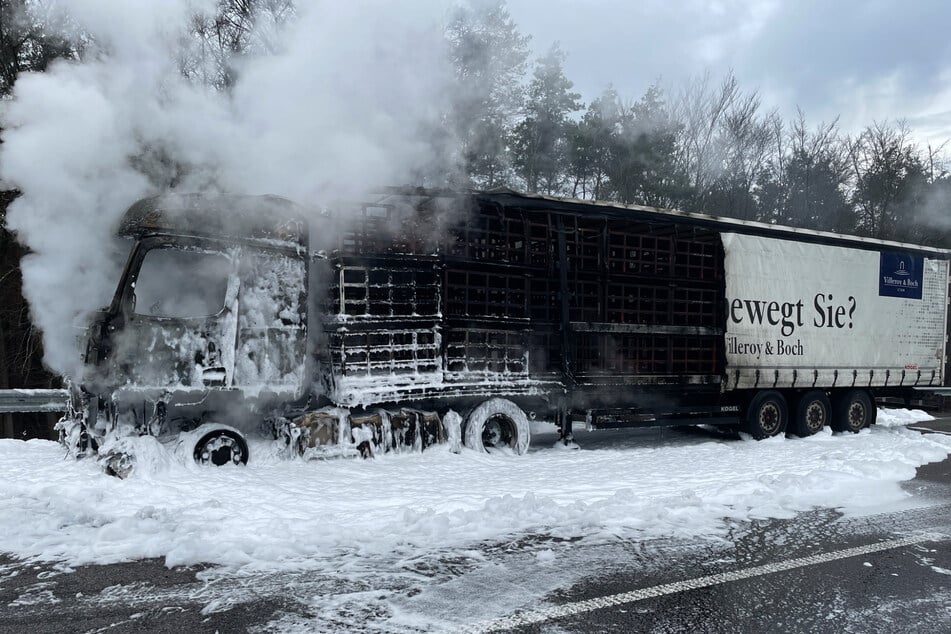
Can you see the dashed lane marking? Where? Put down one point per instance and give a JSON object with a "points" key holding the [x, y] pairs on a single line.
{"points": [[929, 430], [599, 603]]}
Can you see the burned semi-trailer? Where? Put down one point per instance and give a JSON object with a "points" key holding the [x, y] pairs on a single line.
{"points": [[430, 315]]}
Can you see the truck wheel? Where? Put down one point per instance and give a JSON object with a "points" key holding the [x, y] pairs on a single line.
{"points": [[853, 411], [220, 447], [813, 411], [495, 424], [766, 415]]}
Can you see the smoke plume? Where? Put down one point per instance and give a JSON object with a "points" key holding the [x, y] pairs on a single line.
{"points": [[348, 97]]}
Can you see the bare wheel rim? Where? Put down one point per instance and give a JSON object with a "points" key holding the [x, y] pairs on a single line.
{"points": [[856, 415], [769, 417], [498, 431], [815, 416], [220, 450]]}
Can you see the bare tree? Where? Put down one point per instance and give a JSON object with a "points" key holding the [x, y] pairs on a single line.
{"points": [[806, 182], [700, 110], [237, 28], [744, 144], [725, 145], [27, 43], [888, 173]]}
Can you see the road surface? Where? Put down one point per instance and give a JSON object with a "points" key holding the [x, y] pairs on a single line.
{"points": [[816, 572]]}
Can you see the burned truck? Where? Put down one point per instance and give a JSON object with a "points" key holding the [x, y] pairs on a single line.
{"points": [[423, 316]]}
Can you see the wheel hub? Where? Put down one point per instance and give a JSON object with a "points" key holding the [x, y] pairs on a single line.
{"points": [[497, 432], [220, 451], [815, 416], [856, 416], [769, 418]]}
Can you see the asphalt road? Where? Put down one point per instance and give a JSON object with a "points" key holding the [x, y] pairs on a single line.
{"points": [[817, 572]]}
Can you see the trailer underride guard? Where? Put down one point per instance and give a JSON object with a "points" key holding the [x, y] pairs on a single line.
{"points": [[429, 316]]}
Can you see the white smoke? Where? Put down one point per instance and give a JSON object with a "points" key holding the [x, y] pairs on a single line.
{"points": [[351, 100]]}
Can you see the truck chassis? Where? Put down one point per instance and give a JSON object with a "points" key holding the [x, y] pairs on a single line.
{"points": [[430, 316]]}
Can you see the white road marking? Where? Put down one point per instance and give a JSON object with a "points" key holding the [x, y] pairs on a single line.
{"points": [[573, 609], [933, 431]]}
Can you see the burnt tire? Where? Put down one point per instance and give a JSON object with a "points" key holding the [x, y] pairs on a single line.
{"points": [[813, 412], [766, 415], [853, 411], [220, 447], [497, 424]]}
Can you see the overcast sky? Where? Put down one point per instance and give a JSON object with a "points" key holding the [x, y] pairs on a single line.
{"points": [[863, 60]]}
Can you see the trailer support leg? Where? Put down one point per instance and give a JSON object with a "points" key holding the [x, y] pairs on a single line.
{"points": [[563, 420]]}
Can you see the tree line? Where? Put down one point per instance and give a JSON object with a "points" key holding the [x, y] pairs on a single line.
{"points": [[709, 146]]}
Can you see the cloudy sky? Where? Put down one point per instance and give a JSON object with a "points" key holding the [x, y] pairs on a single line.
{"points": [[861, 60]]}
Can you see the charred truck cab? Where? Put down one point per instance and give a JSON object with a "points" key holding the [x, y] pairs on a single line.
{"points": [[431, 315], [207, 328]]}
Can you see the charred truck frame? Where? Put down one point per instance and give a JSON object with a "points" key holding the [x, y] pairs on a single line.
{"points": [[501, 307]]}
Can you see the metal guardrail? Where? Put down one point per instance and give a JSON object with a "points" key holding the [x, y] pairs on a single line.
{"points": [[23, 400]]}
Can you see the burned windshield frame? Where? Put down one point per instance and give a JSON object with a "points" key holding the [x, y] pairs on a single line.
{"points": [[189, 275]]}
